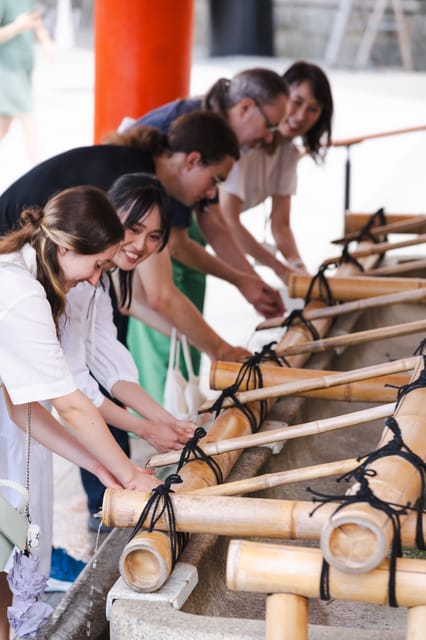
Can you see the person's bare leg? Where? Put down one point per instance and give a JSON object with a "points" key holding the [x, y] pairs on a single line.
{"points": [[5, 122], [30, 136], [5, 602]]}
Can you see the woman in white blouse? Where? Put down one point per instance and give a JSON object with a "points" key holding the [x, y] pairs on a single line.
{"points": [[70, 241]]}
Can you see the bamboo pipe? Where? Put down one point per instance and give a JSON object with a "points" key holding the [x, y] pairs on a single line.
{"points": [[416, 623], [197, 474], [401, 267], [380, 247], [358, 536], [231, 516], [356, 221], [359, 337], [286, 617], [278, 435], [346, 142], [223, 374], [146, 561], [279, 479], [290, 388], [299, 333], [409, 225], [350, 288], [414, 295], [274, 568]]}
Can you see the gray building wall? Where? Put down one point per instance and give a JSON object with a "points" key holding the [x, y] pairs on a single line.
{"points": [[302, 29]]}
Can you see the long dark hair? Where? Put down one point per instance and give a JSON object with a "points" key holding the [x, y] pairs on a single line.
{"points": [[135, 194], [318, 138], [202, 131], [81, 219]]}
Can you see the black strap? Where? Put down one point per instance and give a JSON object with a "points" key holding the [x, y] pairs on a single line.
{"points": [[159, 504], [249, 372], [395, 447], [295, 316], [324, 287], [365, 232], [418, 383], [192, 451]]}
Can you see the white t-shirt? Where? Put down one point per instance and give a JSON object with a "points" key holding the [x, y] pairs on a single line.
{"points": [[32, 363], [258, 175], [89, 340]]}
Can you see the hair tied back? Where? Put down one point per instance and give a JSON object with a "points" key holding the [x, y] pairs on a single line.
{"points": [[33, 217]]}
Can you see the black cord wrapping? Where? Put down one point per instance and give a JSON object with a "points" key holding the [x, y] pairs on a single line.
{"points": [[347, 257], [421, 347], [365, 231], [249, 371], [418, 383], [297, 314], [159, 504], [192, 451], [324, 287], [395, 447]]}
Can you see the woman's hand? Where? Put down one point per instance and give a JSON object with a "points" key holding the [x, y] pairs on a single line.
{"points": [[143, 480], [168, 436], [106, 477]]}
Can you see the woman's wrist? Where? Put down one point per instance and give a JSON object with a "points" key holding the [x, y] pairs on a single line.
{"points": [[296, 263]]}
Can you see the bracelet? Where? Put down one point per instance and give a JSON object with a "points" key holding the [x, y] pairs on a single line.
{"points": [[296, 263]]}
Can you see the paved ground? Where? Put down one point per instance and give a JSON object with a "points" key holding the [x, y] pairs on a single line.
{"points": [[387, 172]]}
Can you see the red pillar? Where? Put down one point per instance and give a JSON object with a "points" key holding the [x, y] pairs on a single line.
{"points": [[142, 57]]}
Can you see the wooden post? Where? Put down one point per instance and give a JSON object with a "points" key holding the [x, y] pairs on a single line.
{"points": [[416, 623], [286, 617], [142, 57]]}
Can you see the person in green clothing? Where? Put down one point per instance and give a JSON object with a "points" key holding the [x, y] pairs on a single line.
{"points": [[148, 345], [20, 25]]}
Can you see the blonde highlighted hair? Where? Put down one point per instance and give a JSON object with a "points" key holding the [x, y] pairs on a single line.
{"points": [[81, 219]]}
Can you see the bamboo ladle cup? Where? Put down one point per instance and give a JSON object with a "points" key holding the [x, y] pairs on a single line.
{"points": [[279, 435], [414, 296], [411, 225], [353, 287], [290, 388], [381, 389]]}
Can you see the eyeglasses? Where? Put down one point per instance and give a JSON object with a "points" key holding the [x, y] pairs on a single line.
{"points": [[270, 126]]}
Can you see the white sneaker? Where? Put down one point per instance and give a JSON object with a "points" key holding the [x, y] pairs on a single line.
{"points": [[57, 585]]}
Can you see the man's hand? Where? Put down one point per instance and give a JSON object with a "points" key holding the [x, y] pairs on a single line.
{"points": [[232, 354], [266, 300]]}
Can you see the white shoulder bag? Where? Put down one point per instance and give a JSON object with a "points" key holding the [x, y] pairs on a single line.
{"points": [[182, 397]]}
